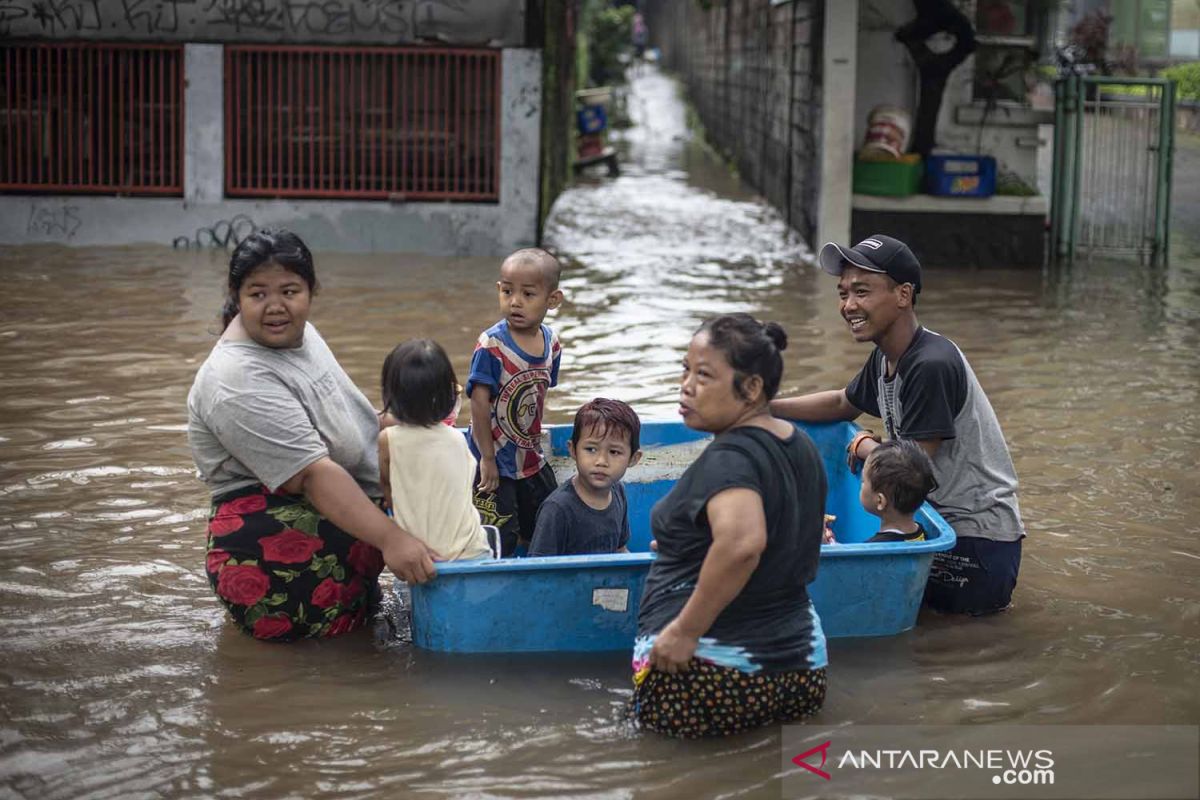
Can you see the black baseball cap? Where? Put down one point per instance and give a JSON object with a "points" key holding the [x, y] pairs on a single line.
{"points": [[876, 253]]}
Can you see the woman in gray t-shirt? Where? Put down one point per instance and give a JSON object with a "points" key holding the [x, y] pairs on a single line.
{"points": [[287, 446]]}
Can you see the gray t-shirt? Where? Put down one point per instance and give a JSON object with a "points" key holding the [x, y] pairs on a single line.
{"points": [[935, 395], [260, 415], [567, 526]]}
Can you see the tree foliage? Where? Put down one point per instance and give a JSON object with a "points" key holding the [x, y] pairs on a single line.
{"points": [[609, 34], [1187, 76]]}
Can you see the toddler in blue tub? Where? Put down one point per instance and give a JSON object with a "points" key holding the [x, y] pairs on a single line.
{"points": [[896, 479]]}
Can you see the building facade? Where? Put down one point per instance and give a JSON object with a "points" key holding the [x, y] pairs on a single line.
{"points": [[367, 125]]}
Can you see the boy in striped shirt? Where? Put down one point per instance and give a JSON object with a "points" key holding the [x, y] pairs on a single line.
{"points": [[515, 362]]}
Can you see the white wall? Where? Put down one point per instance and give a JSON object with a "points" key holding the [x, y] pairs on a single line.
{"points": [[885, 72], [435, 228], [886, 75]]}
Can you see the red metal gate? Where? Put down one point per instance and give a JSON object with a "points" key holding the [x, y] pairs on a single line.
{"points": [[95, 118], [363, 122]]}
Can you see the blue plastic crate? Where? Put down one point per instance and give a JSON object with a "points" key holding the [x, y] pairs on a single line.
{"points": [[960, 176], [591, 119]]}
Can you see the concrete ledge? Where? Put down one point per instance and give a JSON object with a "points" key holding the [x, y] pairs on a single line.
{"points": [[928, 204]]}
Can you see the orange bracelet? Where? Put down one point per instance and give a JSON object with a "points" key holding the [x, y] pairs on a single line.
{"points": [[852, 448]]}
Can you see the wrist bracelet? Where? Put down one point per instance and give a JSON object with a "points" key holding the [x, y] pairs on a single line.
{"points": [[858, 439]]}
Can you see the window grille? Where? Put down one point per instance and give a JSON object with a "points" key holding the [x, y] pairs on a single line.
{"points": [[91, 118], [364, 122]]}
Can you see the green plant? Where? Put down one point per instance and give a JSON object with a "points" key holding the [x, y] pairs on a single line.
{"points": [[1012, 185], [995, 72], [609, 32], [1124, 89], [1187, 78]]}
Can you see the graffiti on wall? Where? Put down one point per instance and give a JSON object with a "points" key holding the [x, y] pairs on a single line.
{"points": [[53, 221], [53, 17], [224, 233], [479, 22]]}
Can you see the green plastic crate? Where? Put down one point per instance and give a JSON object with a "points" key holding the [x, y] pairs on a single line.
{"points": [[889, 178]]}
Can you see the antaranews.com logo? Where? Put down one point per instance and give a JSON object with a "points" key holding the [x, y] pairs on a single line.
{"points": [[1009, 767], [965, 762]]}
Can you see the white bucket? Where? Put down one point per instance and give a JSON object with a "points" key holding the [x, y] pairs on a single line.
{"points": [[888, 129]]}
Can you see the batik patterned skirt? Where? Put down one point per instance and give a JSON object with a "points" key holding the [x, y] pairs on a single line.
{"points": [[709, 700], [716, 698], [283, 571]]}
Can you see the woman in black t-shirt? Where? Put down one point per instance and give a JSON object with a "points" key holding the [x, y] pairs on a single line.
{"points": [[727, 637]]}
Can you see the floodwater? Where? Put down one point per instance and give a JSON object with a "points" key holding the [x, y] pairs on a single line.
{"points": [[120, 678]]}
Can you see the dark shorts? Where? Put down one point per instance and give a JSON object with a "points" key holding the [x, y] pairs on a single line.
{"points": [[976, 577], [514, 505], [285, 572], [709, 700]]}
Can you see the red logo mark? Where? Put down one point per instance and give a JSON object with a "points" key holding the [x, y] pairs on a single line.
{"points": [[823, 749]]}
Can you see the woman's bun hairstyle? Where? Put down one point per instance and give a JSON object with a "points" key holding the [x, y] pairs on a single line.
{"points": [[751, 348], [776, 334]]}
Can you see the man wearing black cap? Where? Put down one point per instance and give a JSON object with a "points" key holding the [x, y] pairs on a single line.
{"points": [[921, 386]]}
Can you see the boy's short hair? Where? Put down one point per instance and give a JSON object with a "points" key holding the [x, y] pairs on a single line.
{"points": [[544, 260], [902, 472], [606, 415]]}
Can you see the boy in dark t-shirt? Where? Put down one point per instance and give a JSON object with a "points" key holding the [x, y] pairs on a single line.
{"points": [[896, 479], [589, 513]]}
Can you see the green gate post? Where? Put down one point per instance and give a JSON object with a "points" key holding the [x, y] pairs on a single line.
{"points": [[1079, 92], [1166, 156], [1056, 195], [1062, 199]]}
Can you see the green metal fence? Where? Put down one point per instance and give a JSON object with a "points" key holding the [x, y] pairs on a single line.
{"points": [[1111, 183]]}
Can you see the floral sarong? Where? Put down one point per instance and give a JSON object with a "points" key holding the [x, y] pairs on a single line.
{"points": [[283, 571]]}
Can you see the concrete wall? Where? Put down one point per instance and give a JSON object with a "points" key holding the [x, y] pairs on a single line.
{"points": [[493, 23], [753, 72], [997, 231], [436, 228]]}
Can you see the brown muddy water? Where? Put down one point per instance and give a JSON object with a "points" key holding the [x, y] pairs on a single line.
{"points": [[120, 678]]}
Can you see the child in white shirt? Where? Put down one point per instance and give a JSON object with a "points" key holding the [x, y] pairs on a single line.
{"points": [[426, 469]]}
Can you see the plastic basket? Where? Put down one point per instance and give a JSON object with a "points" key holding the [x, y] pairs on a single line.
{"points": [[891, 178], [960, 176]]}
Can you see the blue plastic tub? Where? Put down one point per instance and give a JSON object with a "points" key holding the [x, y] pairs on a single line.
{"points": [[960, 176], [590, 603]]}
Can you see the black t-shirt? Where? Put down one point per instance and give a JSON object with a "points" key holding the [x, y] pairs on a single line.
{"points": [[567, 526], [771, 619], [896, 536], [922, 398]]}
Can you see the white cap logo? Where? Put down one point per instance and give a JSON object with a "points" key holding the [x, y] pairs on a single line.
{"points": [[874, 244]]}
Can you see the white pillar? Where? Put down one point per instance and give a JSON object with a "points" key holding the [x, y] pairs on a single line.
{"points": [[204, 123], [840, 54], [520, 145]]}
